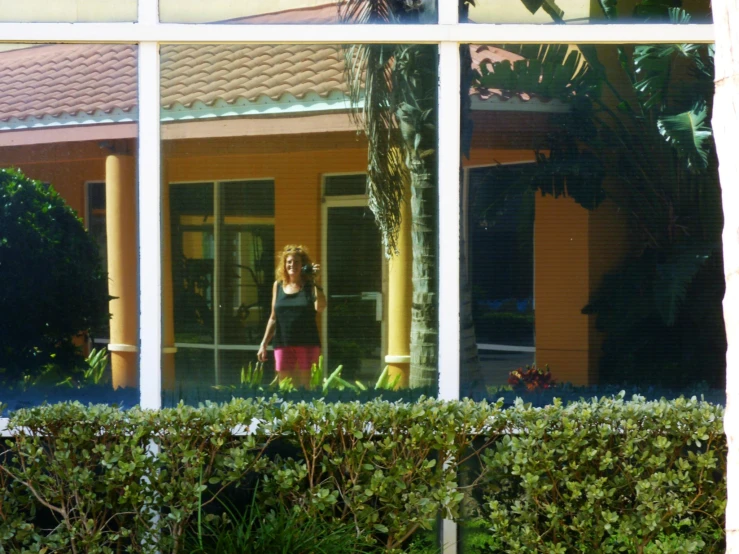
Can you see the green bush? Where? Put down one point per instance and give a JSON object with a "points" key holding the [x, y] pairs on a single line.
{"points": [[52, 284], [600, 476], [605, 476]]}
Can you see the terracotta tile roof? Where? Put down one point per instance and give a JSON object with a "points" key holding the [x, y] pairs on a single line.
{"points": [[314, 15], [197, 73], [67, 79], [61, 83]]}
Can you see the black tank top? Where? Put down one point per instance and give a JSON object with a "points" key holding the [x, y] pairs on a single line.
{"points": [[296, 318]]}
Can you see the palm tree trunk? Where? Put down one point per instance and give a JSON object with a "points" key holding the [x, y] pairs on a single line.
{"points": [[726, 133], [424, 321]]}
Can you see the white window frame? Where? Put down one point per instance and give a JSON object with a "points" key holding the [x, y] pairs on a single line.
{"points": [[448, 34]]}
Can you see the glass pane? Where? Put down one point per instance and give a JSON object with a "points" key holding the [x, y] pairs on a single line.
{"points": [[591, 219], [586, 11], [345, 185], [356, 314], [264, 176], [286, 12], [72, 11], [68, 224]]}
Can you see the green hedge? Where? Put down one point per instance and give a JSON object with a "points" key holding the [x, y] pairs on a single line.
{"points": [[601, 476]]}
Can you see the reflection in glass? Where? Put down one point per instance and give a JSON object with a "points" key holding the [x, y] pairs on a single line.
{"points": [[585, 11], [260, 152], [501, 268], [304, 12], [222, 270], [68, 248], [593, 196], [68, 11]]}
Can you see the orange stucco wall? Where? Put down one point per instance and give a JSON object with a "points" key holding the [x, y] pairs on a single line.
{"points": [[573, 247], [295, 163], [67, 166], [562, 284]]}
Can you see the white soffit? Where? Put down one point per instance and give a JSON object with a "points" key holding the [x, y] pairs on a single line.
{"points": [[285, 105], [67, 120]]}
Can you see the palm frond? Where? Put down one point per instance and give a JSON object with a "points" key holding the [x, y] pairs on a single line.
{"points": [[550, 71], [369, 69], [690, 134], [674, 275], [609, 8]]}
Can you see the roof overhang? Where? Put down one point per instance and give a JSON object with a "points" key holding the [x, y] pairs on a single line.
{"points": [[74, 133], [288, 115]]}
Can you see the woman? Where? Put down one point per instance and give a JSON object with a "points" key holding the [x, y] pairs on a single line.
{"points": [[296, 298]]}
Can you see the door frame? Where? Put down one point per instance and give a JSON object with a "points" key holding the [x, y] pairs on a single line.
{"points": [[346, 201], [217, 346], [465, 234]]}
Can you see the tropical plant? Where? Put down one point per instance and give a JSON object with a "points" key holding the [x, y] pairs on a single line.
{"points": [[393, 91], [52, 283], [94, 371], [638, 135], [531, 378], [278, 530]]}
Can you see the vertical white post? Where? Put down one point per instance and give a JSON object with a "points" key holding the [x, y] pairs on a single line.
{"points": [[448, 12], [449, 229], [449, 144], [149, 216]]}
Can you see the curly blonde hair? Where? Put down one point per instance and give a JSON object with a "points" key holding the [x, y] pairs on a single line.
{"points": [[291, 249]]}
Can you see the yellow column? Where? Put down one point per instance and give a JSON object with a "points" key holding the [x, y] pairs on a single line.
{"points": [[168, 347], [120, 211], [561, 277], [400, 296]]}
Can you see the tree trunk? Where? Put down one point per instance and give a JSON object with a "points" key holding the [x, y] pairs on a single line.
{"points": [[424, 319], [726, 133]]}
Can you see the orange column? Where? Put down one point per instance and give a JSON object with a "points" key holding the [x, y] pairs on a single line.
{"points": [[400, 297], [561, 288], [120, 210]]}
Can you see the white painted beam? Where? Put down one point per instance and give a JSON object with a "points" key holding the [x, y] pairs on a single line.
{"points": [[338, 34], [149, 229]]}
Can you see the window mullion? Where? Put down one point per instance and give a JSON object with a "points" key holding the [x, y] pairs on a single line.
{"points": [[448, 12], [149, 228], [449, 159]]}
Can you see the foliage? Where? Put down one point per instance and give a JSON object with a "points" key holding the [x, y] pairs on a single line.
{"points": [[531, 378], [94, 371], [92, 479], [251, 378], [52, 284], [393, 95], [638, 135], [605, 476], [375, 464], [279, 530]]}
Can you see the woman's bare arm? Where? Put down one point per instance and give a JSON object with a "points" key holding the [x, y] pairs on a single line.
{"points": [[320, 299], [270, 331]]}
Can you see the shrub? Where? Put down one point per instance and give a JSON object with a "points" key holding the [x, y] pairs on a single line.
{"points": [[605, 476], [601, 476], [51, 273]]}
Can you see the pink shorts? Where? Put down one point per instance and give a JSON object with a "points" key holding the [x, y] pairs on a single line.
{"points": [[296, 357]]}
